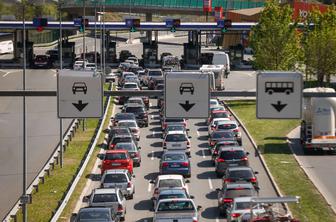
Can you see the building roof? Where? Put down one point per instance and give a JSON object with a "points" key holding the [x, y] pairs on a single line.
{"points": [[248, 11]]}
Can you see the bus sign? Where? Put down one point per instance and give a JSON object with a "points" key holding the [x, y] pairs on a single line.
{"points": [[279, 95]]}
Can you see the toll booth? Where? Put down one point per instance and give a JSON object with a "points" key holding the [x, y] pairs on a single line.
{"points": [[236, 55], [29, 52], [150, 55], [69, 55], [192, 51], [111, 53]]}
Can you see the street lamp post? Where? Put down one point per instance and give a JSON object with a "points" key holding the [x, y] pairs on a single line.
{"points": [[60, 55]]}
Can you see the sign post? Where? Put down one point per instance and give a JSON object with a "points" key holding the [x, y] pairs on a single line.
{"points": [[80, 94], [187, 95], [279, 95]]}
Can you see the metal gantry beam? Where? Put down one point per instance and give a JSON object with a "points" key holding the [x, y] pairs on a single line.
{"points": [[154, 93]]}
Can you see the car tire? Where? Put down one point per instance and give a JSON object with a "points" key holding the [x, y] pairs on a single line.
{"points": [[222, 213], [219, 175], [131, 196], [146, 125], [122, 218]]}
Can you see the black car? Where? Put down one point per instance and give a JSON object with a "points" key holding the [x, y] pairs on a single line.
{"points": [[122, 116], [232, 190], [140, 113], [124, 138], [42, 61], [124, 54], [95, 214], [118, 131], [240, 174]]}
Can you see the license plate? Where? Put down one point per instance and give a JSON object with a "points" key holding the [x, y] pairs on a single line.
{"points": [[176, 145], [115, 164], [174, 165], [233, 164]]}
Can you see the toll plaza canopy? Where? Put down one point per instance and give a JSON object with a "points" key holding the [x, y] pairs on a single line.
{"points": [[164, 6]]}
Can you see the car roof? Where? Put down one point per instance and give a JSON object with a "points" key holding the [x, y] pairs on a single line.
{"points": [[232, 148], [105, 190], [220, 111], [154, 69], [124, 114], [239, 184], [172, 191], [176, 132], [86, 209], [127, 121], [228, 122], [176, 200], [174, 152], [134, 105], [222, 119], [242, 199], [135, 98], [116, 171], [169, 176], [116, 151]]}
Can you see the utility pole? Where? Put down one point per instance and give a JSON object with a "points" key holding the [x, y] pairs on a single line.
{"points": [[60, 54]]}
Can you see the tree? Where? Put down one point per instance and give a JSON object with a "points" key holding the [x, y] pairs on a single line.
{"points": [[275, 41], [319, 43]]}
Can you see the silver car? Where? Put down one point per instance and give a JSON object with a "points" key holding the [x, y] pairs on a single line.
{"points": [[108, 197], [172, 210], [121, 179], [177, 140]]}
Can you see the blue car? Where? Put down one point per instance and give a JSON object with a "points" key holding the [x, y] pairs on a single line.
{"points": [[175, 162]]}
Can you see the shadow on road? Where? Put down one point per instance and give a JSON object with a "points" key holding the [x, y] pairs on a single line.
{"points": [[156, 144], [200, 124], [93, 177], [203, 138], [206, 175], [212, 195], [210, 213], [205, 164], [143, 205], [156, 154], [151, 176], [203, 145]]}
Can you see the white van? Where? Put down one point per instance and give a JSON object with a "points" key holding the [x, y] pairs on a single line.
{"points": [[222, 58], [217, 77], [6, 47]]}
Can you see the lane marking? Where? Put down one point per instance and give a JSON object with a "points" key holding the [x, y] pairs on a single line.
{"points": [[210, 183], [203, 154], [198, 133], [152, 156], [149, 187], [7, 73], [150, 104]]}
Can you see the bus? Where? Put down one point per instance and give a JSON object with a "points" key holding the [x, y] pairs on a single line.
{"points": [[6, 47], [279, 87]]}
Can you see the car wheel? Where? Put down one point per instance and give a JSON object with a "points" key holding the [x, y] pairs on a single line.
{"points": [[219, 175], [222, 213], [131, 196], [146, 125], [122, 218]]}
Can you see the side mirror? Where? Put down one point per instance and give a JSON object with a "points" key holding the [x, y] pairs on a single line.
{"points": [[86, 199], [189, 137], [139, 147], [188, 129], [187, 181], [73, 217], [256, 172], [247, 153], [151, 181], [218, 190], [199, 207], [133, 176], [192, 197]]}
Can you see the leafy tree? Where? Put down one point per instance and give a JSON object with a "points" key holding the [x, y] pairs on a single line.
{"points": [[319, 45], [275, 41]]}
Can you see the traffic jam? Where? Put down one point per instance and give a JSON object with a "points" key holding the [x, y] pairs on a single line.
{"points": [[171, 199]]}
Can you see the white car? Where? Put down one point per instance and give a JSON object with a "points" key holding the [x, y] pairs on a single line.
{"points": [[231, 125], [90, 66], [173, 210], [214, 123], [132, 125], [131, 86], [134, 59], [169, 181], [240, 206], [177, 140], [79, 64], [214, 102]]}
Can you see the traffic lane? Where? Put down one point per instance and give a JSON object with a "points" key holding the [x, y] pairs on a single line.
{"points": [[241, 80], [42, 133], [321, 168]]}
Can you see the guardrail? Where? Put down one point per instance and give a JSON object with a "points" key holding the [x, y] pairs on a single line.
{"points": [[80, 171], [69, 133]]}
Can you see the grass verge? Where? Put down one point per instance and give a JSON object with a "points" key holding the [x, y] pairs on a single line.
{"points": [[51, 192], [270, 136]]}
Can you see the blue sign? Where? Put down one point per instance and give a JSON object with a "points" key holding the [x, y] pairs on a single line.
{"points": [[129, 22], [77, 22], [169, 23]]}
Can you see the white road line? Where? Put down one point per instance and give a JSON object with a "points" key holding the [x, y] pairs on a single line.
{"points": [[149, 187], [217, 220], [210, 184], [198, 133], [152, 155], [7, 73], [203, 154], [150, 104]]}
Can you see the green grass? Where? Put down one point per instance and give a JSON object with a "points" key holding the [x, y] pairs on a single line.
{"points": [[46, 200], [270, 136]]}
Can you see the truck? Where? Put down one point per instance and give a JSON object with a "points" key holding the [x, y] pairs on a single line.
{"points": [[219, 74], [317, 131]]}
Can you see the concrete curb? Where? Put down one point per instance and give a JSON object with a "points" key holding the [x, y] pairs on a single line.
{"points": [[263, 162], [81, 171], [315, 183]]}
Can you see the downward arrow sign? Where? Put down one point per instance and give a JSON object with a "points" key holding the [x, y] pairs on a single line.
{"points": [[187, 106], [278, 106], [80, 105]]}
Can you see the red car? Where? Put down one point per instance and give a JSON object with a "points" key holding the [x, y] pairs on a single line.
{"points": [[117, 159], [218, 114]]}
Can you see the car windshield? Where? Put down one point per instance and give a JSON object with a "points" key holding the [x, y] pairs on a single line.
{"points": [[95, 215], [213, 102], [154, 73], [244, 205], [176, 138], [239, 192], [219, 134], [175, 128], [115, 156], [176, 206], [226, 126], [227, 143], [127, 124], [171, 196], [170, 183], [175, 156], [220, 115], [137, 101], [230, 155], [115, 178], [125, 146], [130, 86], [173, 120], [121, 139], [240, 174], [138, 109], [122, 116], [101, 198]]}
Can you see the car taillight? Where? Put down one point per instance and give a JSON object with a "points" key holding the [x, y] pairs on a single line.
{"points": [[137, 154], [195, 220], [212, 127], [235, 215], [212, 143], [219, 160], [120, 208], [112, 146], [227, 180], [188, 143], [185, 164], [165, 125], [164, 145], [129, 185], [227, 200], [244, 159], [253, 180], [215, 152], [156, 191], [164, 164]]}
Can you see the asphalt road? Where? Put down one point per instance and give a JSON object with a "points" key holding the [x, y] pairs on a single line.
{"points": [[321, 168], [203, 182], [42, 131]]}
